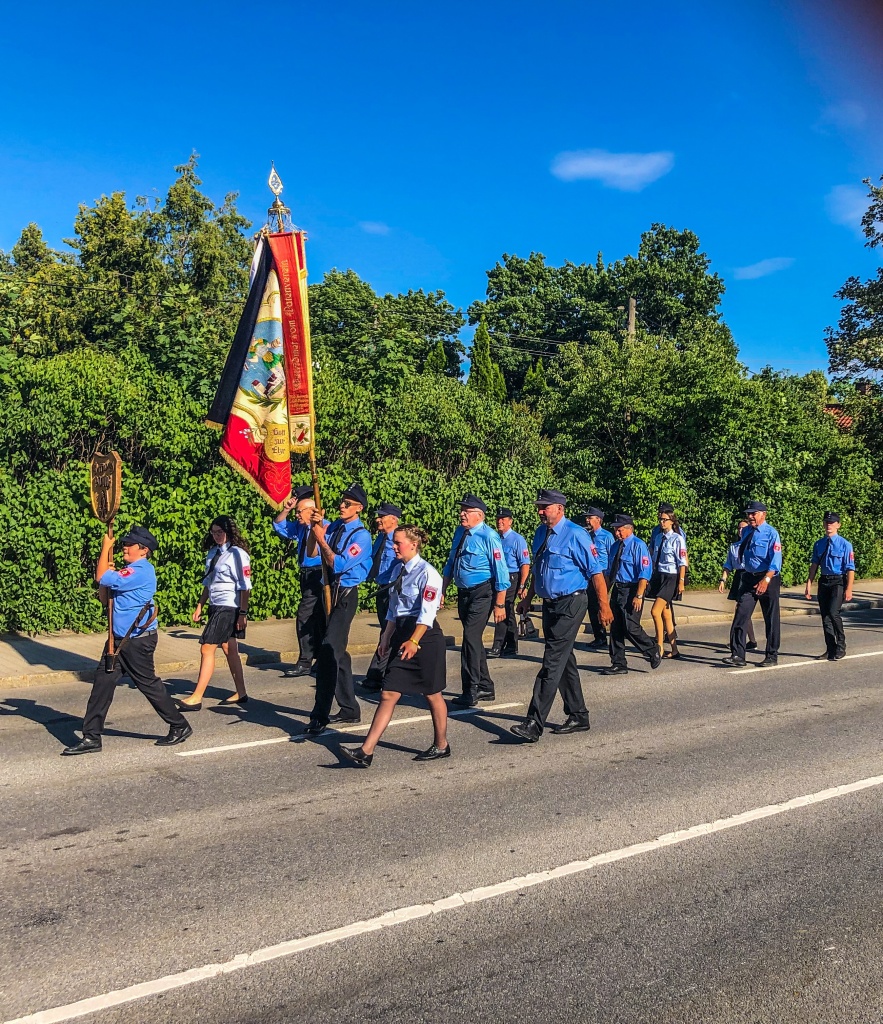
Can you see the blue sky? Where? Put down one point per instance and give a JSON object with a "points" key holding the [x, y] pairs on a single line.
{"points": [[419, 142]]}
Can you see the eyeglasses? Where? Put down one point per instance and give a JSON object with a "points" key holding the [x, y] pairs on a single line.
{"points": [[345, 503], [665, 519]]}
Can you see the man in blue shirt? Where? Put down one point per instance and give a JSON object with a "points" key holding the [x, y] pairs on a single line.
{"points": [[834, 559], [517, 555], [310, 615], [602, 540], [346, 550], [628, 576], [383, 567], [760, 552], [478, 568], [565, 566], [129, 591]]}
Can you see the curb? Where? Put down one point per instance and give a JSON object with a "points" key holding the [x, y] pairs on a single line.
{"points": [[270, 657]]}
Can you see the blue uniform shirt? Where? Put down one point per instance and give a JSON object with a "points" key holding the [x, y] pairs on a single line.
{"points": [[383, 543], [733, 562], [763, 552], [351, 544], [131, 588], [515, 549], [298, 532], [416, 591], [567, 562], [839, 558], [668, 551], [635, 563], [603, 541], [657, 529], [479, 560]]}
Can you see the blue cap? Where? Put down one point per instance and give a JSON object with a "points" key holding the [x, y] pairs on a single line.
{"points": [[140, 535], [304, 491], [621, 519], [550, 497], [832, 517], [593, 511], [505, 513], [471, 501], [355, 493], [386, 508], [755, 506]]}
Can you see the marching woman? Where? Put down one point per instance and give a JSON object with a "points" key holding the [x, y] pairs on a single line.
{"points": [[668, 555], [226, 587], [415, 645]]}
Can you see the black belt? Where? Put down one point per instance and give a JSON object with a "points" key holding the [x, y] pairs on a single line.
{"points": [[563, 597], [310, 570], [831, 581], [468, 590]]}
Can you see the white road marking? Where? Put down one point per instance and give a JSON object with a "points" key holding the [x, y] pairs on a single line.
{"points": [[361, 727], [803, 664], [415, 912]]}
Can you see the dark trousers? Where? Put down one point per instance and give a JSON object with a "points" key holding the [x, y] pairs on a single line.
{"points": [[506, 632], [769, 606], [376, 669], [830, 603], [595, 614], [310, 619], [627, 625], [561, 621], [334, 667], [474, 607], [135, 659]]}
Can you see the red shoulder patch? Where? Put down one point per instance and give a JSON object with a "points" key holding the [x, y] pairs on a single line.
{"points": [[852, 556], [594, 550], [127, 572], [429, 594], [645, 561], [246, 570], [526, 553], [683, 552], [777, 546], [354, 550], [498, 554]]}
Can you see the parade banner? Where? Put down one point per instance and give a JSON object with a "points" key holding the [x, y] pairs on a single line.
{"points": [[264, 400]]}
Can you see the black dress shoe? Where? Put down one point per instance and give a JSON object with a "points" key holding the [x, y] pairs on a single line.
{"points": [[357, 756], [181, 706], [371, 685], [655, 658], [233, 702], [574, 723], [839, 656], [509, 652], [751, 645], [600, 643], [315, 728], [302, 668], [177, 734], [733, 662], [769, 661], [494, 652], [465, 700], [341, 719], [434, 753], [486, 695], [615, 670], [528, 730], [85, 746]]}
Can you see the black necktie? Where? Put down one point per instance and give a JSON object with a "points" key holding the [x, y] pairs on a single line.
{"points": [[614, 565], [212, 564], [400, 579], [543, 546], [742, 547], [823, 556], [336, 536], [378, 556]]}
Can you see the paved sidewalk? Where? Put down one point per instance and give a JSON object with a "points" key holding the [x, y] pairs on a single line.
{"points": [[67, 657]]}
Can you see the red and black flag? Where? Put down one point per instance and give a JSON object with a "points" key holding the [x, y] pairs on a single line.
{"points": [[264, 403]]}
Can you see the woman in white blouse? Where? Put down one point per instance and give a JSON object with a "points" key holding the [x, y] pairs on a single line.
{"points": [[226, 587], [417, 646]]}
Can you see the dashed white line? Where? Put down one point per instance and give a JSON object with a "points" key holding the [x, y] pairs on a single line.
{"points": [[803, 664], [405, 914], [361, 727]]}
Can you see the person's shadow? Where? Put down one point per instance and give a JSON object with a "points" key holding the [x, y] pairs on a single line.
{"points": [[59, 725]]}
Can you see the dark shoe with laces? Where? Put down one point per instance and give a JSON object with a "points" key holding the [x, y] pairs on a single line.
{"points": [[733, 662], [465, 700], [85, 746], [177, 734], [315, 728], [302, 668], [656, 658], [494, 652], [528, 730], [600, 643], [769, 661], [434, 753], [751, 645], [358, 756], [837, 656], [488, 695], [615, 670], [343, 719], [574, 723]]}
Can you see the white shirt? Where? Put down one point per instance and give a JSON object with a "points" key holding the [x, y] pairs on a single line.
{"points": [[415, 591], [232, 573]]}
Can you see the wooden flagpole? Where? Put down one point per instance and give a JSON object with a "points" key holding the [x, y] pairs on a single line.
{"points": [[105, 490]]}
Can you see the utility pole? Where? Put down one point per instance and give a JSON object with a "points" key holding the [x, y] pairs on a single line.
{"points": [[631, 321]]}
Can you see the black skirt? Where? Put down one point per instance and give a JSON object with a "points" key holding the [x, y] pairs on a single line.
{"points": [[221, 626], [664, 585], [423, 674]]}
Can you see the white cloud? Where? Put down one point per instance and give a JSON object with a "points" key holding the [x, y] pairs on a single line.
{"points": [[843, 116], [629, 172], [846, 205], [374, 227], [763, 269]]}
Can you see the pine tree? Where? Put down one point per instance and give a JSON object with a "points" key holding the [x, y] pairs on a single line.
{"points": [[484, 374], [436, 361]]}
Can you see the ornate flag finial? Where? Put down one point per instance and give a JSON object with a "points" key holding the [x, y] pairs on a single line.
{"points": [[274, 181]]}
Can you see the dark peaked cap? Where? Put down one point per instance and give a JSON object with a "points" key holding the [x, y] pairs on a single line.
{"points": [[140, 535], [355, 493], [471, 501]]}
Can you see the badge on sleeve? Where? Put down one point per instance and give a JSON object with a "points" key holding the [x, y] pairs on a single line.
{"points": [[127, 572], [246, 571], [526, 553], [498, 554], [852, 556], [354, 550], [429, 594], [777, 546], [594, 550], [683, 552], [645, 561]]}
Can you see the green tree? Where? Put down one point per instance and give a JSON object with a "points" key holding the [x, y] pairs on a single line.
{"points": [[485, 376], [855, 348], [436, 361]]}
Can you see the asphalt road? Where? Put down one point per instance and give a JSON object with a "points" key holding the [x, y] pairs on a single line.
{"points": [[137, 864]]}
